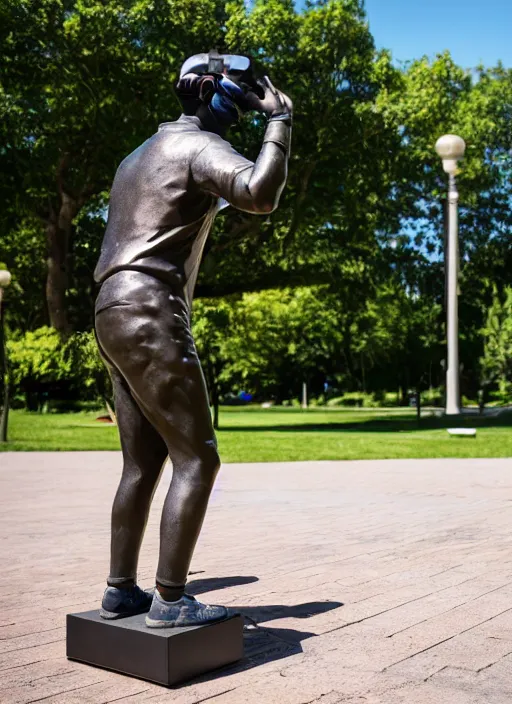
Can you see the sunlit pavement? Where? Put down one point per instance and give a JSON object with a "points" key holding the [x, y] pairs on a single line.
{"points": [[362, 582]]}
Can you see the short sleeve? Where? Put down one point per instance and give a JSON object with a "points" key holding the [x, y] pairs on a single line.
{"points": [[216, 167]]}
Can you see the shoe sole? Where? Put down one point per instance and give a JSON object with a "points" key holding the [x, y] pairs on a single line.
{"points": [[154, 623], [112, 615]]}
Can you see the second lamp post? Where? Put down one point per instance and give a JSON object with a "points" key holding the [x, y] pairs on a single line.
{"points": [[451, 148]]}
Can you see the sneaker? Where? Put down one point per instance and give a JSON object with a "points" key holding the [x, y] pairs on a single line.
{"points": [[119, 603], [187, 611]]}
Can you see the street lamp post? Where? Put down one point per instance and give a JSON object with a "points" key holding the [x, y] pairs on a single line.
{"points": [[451, 148], [5, 280]]}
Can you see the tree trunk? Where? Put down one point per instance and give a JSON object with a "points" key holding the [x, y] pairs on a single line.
{"points": [[57, 278], [481, 400], [58, 235]]}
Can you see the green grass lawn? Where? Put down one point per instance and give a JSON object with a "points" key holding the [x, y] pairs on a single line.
{"points": [[252, 434]]}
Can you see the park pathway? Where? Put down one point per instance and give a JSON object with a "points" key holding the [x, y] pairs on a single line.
{"points": [[365, 582]]}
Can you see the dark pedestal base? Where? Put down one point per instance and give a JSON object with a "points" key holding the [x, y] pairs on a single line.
{"points": [[163, 655]]}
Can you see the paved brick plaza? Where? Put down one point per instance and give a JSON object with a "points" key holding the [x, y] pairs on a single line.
{"points": [[369, 582]]}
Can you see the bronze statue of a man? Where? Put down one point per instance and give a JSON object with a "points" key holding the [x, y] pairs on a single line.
{"points": [[164, 198]]}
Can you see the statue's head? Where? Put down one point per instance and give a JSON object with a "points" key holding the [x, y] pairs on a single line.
{"points": [[215, 87]]}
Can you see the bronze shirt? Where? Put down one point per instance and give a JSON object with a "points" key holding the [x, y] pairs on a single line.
{"points": [[166, 194]]}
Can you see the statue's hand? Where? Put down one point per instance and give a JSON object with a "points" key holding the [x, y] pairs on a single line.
{"points": [[274, 103]]}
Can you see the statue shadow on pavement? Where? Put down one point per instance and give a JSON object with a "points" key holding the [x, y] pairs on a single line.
{"points": [[263, 644], [210, 584]]}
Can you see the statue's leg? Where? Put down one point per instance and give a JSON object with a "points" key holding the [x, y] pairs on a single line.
{"points": [[176, 402], [147, 337], [144, 454], [195, 460]]}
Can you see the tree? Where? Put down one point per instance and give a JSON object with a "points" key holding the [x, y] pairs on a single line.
{"points": [[83, 83], [439, 97], [397, 340], [325, 58], [211, 327], [280, 338], [496, 362], [361, 221]]}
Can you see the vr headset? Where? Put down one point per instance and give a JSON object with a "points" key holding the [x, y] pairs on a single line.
{"points": [[232, 78]]}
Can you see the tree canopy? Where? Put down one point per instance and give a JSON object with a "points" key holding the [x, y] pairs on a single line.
{"points": [[359, 232]]}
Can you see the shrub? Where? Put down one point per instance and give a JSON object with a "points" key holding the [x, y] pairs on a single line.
{"points": [[432, 397], [318, 401], [353, 399], [501, 396], [46, 369], [90, 377], [38, 356], [469, 401], [390, 399], [38, 366]]}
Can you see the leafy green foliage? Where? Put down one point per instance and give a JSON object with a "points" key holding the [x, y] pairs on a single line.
{"points": [[43, 365], [359, 232], [83, 83], [496, 363], [211, 326], [40, 356], [268, 342], [324, 229], [90, 373], [37, 362]]}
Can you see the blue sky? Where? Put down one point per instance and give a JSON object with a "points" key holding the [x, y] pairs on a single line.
{"points": [[474, 31]]}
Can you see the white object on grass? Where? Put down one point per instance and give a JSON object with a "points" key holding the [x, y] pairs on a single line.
{"points": [[471, 432]]}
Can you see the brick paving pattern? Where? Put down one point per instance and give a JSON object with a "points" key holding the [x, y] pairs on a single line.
{"points": [[382, 582]]}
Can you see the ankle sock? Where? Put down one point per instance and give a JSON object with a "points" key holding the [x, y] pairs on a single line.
{"points": [[121, 583], [170, 593]]}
